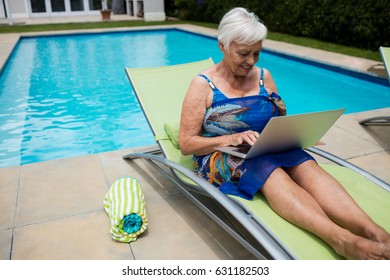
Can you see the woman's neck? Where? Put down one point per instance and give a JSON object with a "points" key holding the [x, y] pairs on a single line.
{"points": [[236, 84]]}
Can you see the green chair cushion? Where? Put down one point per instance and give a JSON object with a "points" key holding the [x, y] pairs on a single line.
{"points": [[172, 130]]}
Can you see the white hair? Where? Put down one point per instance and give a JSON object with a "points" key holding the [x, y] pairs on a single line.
{"points": [[240, 26]]}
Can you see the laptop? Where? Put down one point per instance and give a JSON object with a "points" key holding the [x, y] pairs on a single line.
{"points": [[287, 132]]}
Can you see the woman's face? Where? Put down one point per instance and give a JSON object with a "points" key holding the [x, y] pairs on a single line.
{"points": [[241, 58]]}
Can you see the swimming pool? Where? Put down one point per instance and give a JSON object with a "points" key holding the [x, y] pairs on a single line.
{"points": [[64, 96]]}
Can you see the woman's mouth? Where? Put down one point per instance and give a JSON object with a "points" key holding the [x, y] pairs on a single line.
{"points": [[246, 67]]}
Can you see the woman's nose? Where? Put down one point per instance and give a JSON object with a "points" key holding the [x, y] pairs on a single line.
{"points": [[251, 60]]}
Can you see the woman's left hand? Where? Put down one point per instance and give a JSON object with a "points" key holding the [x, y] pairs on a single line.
{"points": [[248, 137]]}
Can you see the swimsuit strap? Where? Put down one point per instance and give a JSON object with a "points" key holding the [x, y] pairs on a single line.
{"points": [[263, 90], [261, 77], [208, 81], [217, 94]]}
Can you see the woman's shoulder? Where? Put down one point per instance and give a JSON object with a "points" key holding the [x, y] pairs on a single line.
{"points": [[200, 83], [204, 77], [265, 70], [209, 72], [267, 73]]}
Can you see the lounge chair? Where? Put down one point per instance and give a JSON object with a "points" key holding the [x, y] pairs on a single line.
{"points": [[382, 120], [160, 92]]}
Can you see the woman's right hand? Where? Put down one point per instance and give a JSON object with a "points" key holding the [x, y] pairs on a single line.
{"points": [[246, 137]]}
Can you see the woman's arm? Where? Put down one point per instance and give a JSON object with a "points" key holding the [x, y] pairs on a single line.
{"points": [[269, 82]]}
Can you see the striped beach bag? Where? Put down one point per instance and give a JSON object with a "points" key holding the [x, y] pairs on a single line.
{"points": [[124, 204]]}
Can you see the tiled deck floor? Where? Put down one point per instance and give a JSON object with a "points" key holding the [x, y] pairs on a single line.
{"points": [[54, 210]]}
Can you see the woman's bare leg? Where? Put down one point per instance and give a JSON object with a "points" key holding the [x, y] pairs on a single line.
{"points": [[336, 202], [296, 205]]}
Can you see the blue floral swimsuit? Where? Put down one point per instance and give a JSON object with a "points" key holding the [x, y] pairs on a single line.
{"points": [[231, 174]]}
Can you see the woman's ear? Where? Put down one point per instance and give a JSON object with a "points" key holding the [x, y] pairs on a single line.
{"points": [[221, 46]]}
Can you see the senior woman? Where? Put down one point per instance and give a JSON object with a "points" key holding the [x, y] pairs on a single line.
{"points": [[228, 104]]}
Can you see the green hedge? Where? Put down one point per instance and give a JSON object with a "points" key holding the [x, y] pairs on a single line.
{"points": [[356, 23]]}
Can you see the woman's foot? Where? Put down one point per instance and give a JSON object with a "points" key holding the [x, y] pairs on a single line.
{"points": [[359, 248]]}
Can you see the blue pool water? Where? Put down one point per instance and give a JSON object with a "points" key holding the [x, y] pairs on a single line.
{"points": [[64, 96]]}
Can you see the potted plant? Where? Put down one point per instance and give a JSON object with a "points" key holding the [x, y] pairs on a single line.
{"points": [[106, 9]]}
